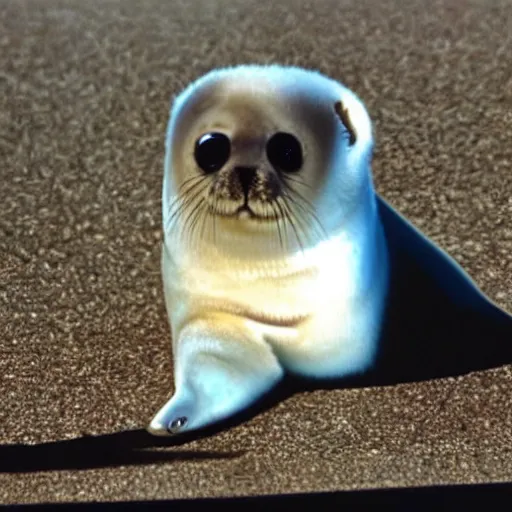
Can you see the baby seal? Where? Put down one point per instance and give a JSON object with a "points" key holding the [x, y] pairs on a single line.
{"points": [[273, 257], [276, 255]]}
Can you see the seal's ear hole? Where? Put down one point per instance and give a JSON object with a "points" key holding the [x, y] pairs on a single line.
{"points": [[344, 117]]}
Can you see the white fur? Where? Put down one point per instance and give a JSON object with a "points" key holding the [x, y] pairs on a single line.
{"points": [[224, 360]]}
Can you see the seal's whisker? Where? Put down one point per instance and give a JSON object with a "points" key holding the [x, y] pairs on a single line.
{"points": [[206, 214], [187, 208], [281, 217], [275, 214], [182, 195], [310, 220], [306, 206], [303, 221], [184, 204], [309, 209], [191, 220], [210, 218], [188, 180], [290, 217], [308, 216], [296, 180], [201, 222], [214, 217]]}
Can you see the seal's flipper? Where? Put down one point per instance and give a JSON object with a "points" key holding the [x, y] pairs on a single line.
{"points": [[221, 368], [437, 323]]}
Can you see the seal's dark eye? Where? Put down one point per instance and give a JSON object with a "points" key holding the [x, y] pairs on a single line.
{"points": [[212, 151], [284, 152]]}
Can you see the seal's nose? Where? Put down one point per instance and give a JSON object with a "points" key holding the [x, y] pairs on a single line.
{"points": [[246, 177]]}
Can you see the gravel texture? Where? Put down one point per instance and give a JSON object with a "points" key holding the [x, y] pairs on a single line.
{"points": [[85, 89]]}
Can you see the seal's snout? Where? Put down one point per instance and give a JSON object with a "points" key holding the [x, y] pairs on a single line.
{"points": [[246, 176]]}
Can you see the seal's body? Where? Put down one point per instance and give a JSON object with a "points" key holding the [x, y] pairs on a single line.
{"points": [[276, 257]]}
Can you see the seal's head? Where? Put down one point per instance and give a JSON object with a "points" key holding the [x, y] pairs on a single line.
{"points": [[274, 157]]}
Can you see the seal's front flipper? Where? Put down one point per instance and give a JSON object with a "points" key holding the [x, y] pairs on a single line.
{"points": [[438, 323], [221, 367]]}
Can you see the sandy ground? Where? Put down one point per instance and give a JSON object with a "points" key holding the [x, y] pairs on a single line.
{"points": [[85, 89]]}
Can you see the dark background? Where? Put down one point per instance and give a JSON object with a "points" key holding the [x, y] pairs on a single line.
{"points": [[85, 89]]}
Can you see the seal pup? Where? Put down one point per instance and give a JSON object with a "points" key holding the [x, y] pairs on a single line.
{"points": [[278, 255]]}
